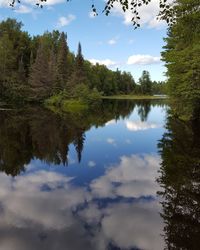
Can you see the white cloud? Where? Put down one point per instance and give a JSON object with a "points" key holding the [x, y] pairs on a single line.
{"points": [[112, 41], [91, 14], [4, 3], [136, 176], [106, 62], [148, 14], [91, 164], [64, 21], [138, 125], [143, 60], [111, 122], [47, 3], [139, 223], [23, 9], [44, 207], [24, 199], [111, 141]]}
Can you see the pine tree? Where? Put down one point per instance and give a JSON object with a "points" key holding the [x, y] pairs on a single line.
{"points": [[79, 74], [145, 83], [21, 72], [79, 143], [63, 69], [52, 70], [40, 82]]}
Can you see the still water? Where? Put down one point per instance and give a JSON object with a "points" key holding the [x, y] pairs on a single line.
{"points": [[98, 180]]}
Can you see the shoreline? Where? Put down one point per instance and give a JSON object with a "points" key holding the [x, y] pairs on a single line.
{"points": [[136, 97]]}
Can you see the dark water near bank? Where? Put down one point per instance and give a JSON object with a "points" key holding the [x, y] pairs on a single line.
{"points": [[122, 176]]}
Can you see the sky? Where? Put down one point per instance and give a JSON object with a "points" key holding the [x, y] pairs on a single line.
{"points": [[109, 40]]}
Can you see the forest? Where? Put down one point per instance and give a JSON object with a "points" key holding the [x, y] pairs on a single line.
{"points": [[181, 55], [34, 69]]}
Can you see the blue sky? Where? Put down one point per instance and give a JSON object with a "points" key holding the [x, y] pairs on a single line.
{"points": [[110, 40]]}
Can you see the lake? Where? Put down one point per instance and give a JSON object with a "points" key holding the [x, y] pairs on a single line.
{"points": [[122, 176]]}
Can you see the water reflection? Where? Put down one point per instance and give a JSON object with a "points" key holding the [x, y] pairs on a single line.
{"points": [[44, 210], [180, 179], [110, 203], [42, 134]]}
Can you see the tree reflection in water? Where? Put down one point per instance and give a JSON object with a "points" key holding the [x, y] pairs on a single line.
{"points": [[180, 180], [42, 134], [47, 208]]}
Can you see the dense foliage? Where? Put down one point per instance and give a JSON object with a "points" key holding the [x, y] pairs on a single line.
{"points": [[180, 182], [36, 68], [182, 57]]}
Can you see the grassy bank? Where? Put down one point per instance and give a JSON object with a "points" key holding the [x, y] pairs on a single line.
{"points": [[78, 100], [135, 97], [71, 105]]}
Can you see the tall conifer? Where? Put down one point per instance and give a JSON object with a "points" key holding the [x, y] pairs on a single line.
{"points": [[63, 70], [40, 82]]}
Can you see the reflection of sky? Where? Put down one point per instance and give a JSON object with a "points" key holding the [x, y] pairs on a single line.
{"points": [[108, 200]]}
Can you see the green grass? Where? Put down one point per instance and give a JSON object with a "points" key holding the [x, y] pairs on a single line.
{"points": [[73, 106], [58, 104], [134, 97]]}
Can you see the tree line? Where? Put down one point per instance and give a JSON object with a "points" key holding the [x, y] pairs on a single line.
{"points": [[35, 68], [182, 58]]}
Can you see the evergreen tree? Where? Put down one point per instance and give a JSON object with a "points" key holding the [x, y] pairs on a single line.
{"points": [[52, 70], [182, 58], [79, 74], [145, 83], [79, 143], [63, 70], [40, 82]]}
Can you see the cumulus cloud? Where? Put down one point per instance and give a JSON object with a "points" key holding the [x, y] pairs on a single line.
{"points": [[44, 208], [148, 14], [128, 225], [135, 176], [64, 21], [47, 3], [4, 3], [25, 198], [138, 125], [106, 62], [28, 3], [143, 60], [23, 9]]}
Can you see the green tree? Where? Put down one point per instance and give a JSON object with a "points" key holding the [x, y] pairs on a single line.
{"points": [[79, 64], [180, 183], [63, 69], [79, 73], [40, 82], [145, 83], [182, 59]]}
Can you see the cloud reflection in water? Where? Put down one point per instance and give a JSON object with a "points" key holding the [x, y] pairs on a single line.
{"points": [[45, 210]]}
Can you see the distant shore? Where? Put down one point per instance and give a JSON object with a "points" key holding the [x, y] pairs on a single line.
{"points": [[136, 97]]}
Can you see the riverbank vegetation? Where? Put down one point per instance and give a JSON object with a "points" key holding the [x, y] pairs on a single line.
{"points": [[43, 69], [182, 58]]}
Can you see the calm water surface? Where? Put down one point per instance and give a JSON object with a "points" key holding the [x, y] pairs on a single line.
{"points": [[88, 181]]}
